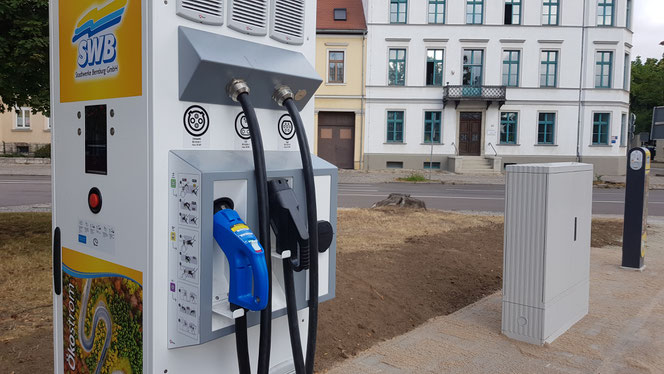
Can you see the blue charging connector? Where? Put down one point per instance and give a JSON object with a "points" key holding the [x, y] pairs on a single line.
{"points": [[249, 283]]}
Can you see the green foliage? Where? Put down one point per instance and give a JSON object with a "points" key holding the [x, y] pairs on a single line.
{"points": [[414, 177], [24, 55], [647, 90], [43, 152]]}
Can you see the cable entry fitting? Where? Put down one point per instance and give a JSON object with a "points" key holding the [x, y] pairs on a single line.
{"points": [[281, 94], [237, 87]]}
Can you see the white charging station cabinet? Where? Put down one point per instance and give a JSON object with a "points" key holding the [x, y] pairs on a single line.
{"points": [[546, 264]]}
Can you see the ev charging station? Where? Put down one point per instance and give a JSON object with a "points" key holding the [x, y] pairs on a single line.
{"points": [[193, 229]]}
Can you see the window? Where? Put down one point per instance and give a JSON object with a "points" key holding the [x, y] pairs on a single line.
{"points": [[23, 118], [626, 72], [394, 164], [336, 61], [432, 127], [508, 123], [550, 12], [472, 67], [511, 68], [398, 10], [546, 128], [628, 22], [397, 68], [603, 68], [435, 67], [23, 149], [623, 129], [431, 165], [340, 14], [436, 11], [474, 12], [395, 127], [512, 12], [605, 12], [601, 128], [549, 69]]}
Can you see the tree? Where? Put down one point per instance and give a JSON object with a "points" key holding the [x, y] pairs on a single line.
{"points": [[24, 55], [647, 90]]}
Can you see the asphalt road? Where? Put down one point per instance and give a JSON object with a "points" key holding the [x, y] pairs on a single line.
{"points": [[24, 190], [487, 198], [29, 190]]}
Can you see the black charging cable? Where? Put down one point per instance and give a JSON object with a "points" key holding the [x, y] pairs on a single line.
{"points": [[239, 91], [312, 225]]}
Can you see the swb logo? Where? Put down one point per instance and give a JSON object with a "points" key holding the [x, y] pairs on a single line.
{"points": [[97, 44]]}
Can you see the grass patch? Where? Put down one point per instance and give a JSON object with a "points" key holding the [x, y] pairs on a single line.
{"points": [[25, 300], [413, 177]]}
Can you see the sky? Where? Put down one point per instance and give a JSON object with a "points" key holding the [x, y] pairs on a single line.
{"points": [[648, 28]]}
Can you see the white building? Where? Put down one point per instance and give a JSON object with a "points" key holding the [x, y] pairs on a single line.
{"points": [[497, 81]]}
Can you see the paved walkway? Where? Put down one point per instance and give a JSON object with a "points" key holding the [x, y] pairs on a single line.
{"points": [[387, 176], [623, 333], [7, 168]]}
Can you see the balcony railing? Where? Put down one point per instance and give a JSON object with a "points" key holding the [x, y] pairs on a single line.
{"points": [[474, 93]]}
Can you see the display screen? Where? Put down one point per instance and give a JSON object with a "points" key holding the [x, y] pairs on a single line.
{"points": [[95, 140]]}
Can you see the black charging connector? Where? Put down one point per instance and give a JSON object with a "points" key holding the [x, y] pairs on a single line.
{"points": [[223, 203], [288, 223]]}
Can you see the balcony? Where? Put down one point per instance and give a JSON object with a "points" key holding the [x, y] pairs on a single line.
{"points": [[474, 93]]}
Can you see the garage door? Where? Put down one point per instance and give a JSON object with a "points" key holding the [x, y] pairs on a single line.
{"points": [[336, 138]]}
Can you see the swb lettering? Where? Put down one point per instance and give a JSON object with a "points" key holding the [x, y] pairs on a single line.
{"points": [[97, 50]]}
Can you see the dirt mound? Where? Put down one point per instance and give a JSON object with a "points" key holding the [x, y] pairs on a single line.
{"points": [[386, 292], [402, 201], [606, 232]]}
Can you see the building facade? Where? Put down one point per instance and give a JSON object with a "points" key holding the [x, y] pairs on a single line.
{"points": [[467, 85], [22, 132], [339, 102]]}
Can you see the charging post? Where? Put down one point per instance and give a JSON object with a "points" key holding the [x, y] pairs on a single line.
{"points": [[636, 209]]}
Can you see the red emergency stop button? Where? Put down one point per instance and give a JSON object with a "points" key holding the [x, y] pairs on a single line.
{"points": [[94, 200]]}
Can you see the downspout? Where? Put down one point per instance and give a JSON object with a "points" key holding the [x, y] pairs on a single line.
{"points": [[581, 76], [363, 97]]}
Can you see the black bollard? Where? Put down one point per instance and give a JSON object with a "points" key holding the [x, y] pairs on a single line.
{"points": [[636, 209]]}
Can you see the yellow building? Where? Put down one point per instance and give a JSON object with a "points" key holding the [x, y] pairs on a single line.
{"points": [[339, 102], [22, 132]]}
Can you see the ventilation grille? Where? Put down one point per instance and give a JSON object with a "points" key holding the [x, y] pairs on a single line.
{"points": [[249, 16], [287, 24], [209, 12]]}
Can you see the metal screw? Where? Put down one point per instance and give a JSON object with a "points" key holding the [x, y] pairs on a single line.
{"points": [[79, 131], [112, 131], [78, 115], [112, 113]]}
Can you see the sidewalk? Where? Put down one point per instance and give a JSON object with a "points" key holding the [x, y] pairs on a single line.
{"points": [[17, 166], [388, 176], [623, 333]]}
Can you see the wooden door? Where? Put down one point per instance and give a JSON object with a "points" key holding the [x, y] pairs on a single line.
{"points": [[336, 138], [470, 133]]}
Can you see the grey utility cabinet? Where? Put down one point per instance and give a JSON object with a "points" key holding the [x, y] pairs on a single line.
{"points": [[546, 259]]}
